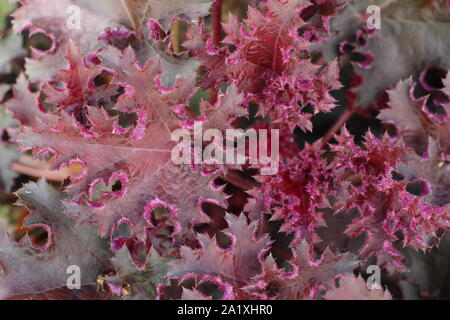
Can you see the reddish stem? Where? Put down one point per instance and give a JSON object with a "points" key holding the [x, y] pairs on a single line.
{"points": [[217, 21], [38, 172], [33, 168], [337, 126]]}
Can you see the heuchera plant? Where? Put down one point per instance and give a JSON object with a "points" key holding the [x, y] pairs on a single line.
{"points": [[98, 99]]}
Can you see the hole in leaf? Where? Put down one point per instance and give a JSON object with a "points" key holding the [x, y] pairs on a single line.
{"points": [[217, 223], [361, 39], [173, 290], [223, 241], [309, 108], [346, 47], [391, 129], [210, 289], [117, 186], [363, 60], [308, 12], [38, 236], [41, 41], [357, 57], [188, 283], [103, 79], [417, 188], [435, 104], [431, 78], [231, 48], [397, 176], [419, 91], [5, 136], [127, 120]]}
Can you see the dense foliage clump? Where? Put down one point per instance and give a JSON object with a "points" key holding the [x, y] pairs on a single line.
{"points": [[96, 89]]}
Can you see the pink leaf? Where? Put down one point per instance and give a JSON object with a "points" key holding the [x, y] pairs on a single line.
{"points": [[265, 63], [142, 155], [25, 104], [61, 21]]}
